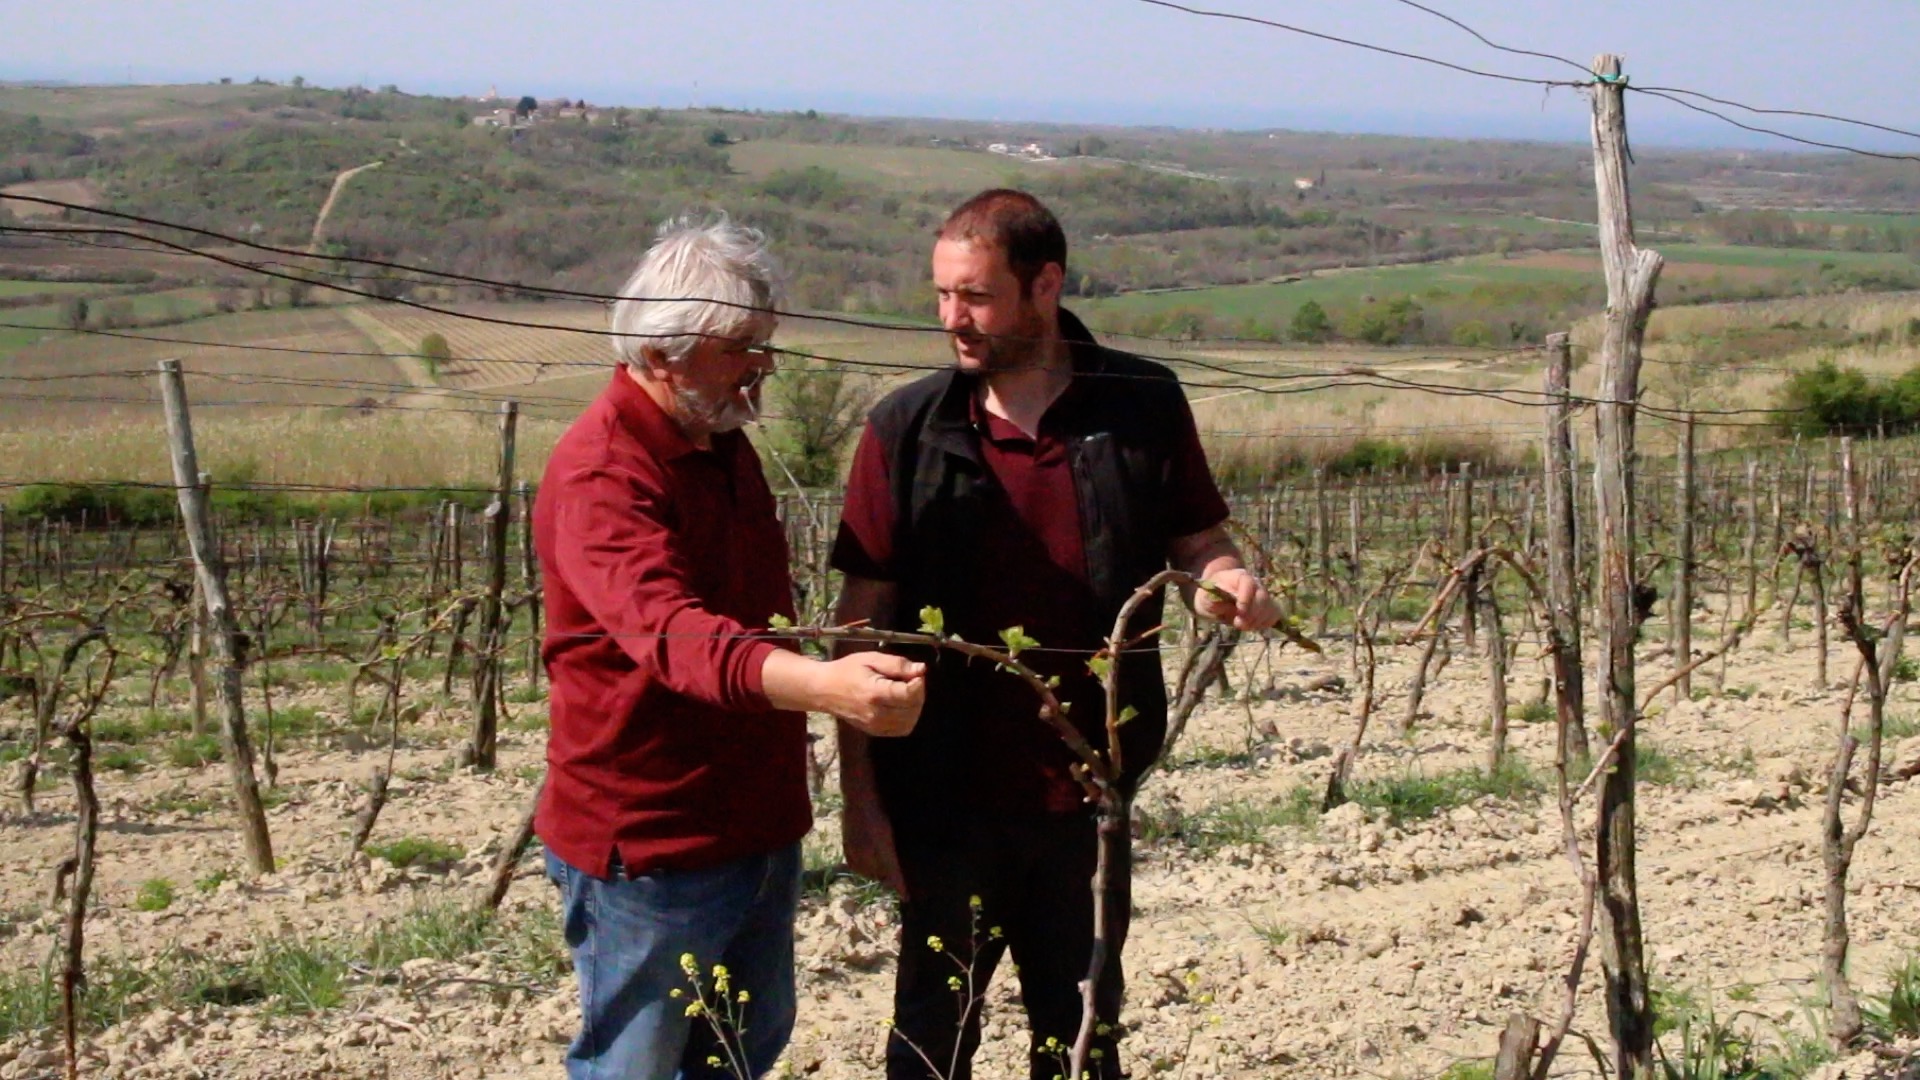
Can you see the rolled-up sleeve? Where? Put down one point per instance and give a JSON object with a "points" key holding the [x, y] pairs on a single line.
{"points": [[616, 553]]}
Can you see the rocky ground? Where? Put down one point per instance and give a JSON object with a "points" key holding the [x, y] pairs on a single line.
{"points": [[1265, 943]]}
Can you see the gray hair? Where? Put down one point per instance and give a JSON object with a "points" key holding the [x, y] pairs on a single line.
{"points": [[700, 279]]}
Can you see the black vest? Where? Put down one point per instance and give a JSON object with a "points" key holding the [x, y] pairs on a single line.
{"points": [[1121, 442]]}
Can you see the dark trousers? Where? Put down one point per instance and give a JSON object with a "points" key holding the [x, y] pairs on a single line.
{"points": [[983, 888]]}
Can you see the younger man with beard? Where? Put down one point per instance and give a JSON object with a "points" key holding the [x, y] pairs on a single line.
{"points": [[676, 791], [1035, 484]]}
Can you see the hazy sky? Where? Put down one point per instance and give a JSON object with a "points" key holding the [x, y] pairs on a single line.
{"points": [[1096, 61]]}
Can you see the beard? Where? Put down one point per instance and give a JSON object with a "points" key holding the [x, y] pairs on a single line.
{"points": [[1017, 350], [721, 413]]}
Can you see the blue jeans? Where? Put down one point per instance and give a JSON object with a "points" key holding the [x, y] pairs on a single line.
{"points": [[627, 937]]}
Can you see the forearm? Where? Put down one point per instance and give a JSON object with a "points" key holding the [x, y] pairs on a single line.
{"points": [[793, 682], [1206, 554]]}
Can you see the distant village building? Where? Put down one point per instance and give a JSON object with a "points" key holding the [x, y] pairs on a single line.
{"points": [[1032, 151], [1303, 183]]}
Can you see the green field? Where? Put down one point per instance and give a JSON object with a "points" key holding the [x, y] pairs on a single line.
{"points": [[906, 167], [1856, 218], [102, 105], [1519, 224], [1780, 258], [35, 288], [1277, 302]]}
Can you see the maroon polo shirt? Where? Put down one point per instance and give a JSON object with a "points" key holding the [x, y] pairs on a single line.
{"points": [[660, 560], [1034, 569]]}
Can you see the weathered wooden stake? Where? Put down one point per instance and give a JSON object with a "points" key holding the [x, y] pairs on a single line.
{"points": [[486, 679], [1631, 274], [210, 570], [1563, 573], [1683, 567]]}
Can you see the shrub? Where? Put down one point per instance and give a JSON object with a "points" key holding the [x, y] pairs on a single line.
{"points": [[434, 352], [95, 504], [1310, 323], [1832, 400]]}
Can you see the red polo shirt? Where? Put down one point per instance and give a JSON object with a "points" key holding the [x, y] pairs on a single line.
{"points": [[660, 560], [1035, 560]]}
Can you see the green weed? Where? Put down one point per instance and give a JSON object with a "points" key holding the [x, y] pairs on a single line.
{"points": [[417, 851], [125, 759], [297, 976], [193, 751], [1232, 823], [1215, 757], [1537, 711], [1468, 1070], [1896, 1013], [1416, 798], [298, 721], [155, 894], [1271, 931], [212, 882]]}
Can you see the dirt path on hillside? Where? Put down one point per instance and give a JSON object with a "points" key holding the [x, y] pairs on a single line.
{"points": [[333, 195]]}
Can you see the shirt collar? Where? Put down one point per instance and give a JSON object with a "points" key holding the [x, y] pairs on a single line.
{"points": [[645, 420]]}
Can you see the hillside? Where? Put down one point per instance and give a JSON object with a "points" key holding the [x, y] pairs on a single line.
{"points": [[1426, 258]]}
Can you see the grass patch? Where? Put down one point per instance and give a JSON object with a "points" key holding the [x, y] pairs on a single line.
{"points": [[1896, 1013], [298, 721], [1902, 726], [212, 882], [417, 851], [123, 759], [1537, 711], [180, 800], [1468, 1070], [1232, 823], [285, 975], [155, 894], [141, 726], [193, 751], [1216, 757], [1416, 798], [1272, 932]]}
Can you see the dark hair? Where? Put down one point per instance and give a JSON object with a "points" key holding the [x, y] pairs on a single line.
{"points": [[1016, 223]]}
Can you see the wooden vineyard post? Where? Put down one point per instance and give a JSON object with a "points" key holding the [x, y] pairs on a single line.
{"points": [[486, 677], [529, 578], [1323, 544], [1751, 546], [210, 571], [1464, 542], [1631, 273], [1563, 572], [1683, 567]]}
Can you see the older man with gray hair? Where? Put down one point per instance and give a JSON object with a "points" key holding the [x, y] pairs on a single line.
{"points": [[676, 791]]}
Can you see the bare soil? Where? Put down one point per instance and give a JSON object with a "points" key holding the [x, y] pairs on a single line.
{"points": [[1354, 947]]}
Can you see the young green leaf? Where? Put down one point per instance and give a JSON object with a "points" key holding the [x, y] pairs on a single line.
{"points": [[1126, 714], [1015, 638], [932, 621], [779, 622], [1100, 666]]}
